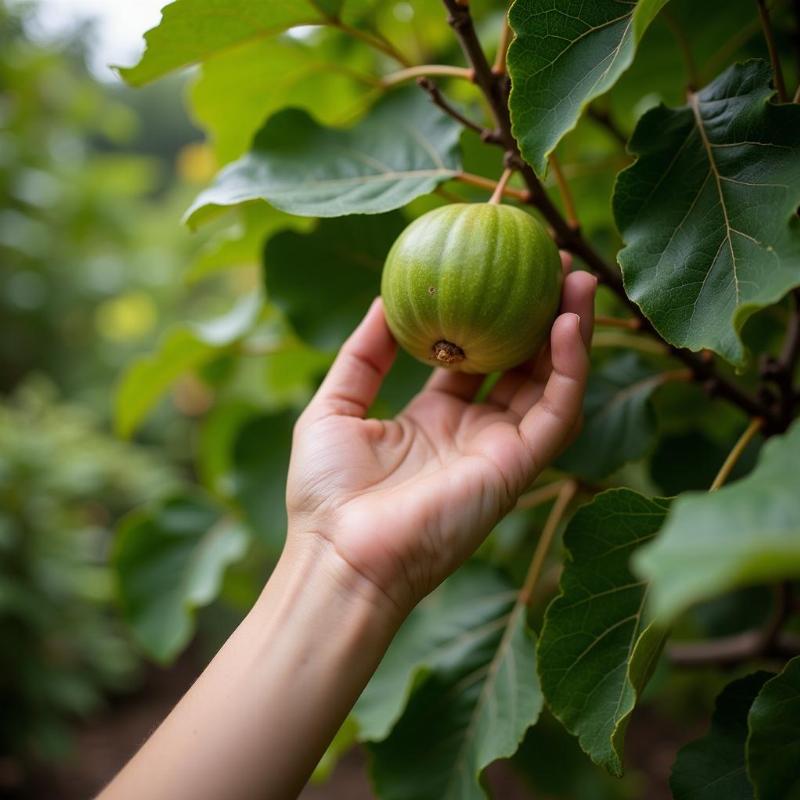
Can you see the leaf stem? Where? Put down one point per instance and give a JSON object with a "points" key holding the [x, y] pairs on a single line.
{"points": [[377, 41], [424, 70], [564, 191], [563, 499], [682, 41], [506, 35], [486, 183], [540, 495], [497, 195], [730, 462], [630, 323], [777, 70]]}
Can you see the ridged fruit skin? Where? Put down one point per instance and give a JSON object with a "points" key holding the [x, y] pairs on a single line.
{"points": [[484, 277]]}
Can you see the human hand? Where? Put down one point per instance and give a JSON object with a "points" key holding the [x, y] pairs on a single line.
{"points": [[403, 502]]}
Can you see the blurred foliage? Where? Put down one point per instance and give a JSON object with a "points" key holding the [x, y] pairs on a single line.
{"points": [[63, 485]]}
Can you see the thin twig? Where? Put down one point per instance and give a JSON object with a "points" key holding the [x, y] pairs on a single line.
{"points": [[495, 89], [490, 185], [777, 70], [730, 462], [564, 498], [439, 100], [686, 51], [497, 194], [506, 35], [564, 191], [630, 323], [540, 495], [728, 651], [629, 342], [423, 70]]}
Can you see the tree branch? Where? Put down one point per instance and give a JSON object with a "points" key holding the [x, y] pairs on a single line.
{"points": [[606, 121], [777, 71], [729, 651], [495, 89]]}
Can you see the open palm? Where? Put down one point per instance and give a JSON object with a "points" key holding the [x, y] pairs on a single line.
{"points": [[405, 501]]}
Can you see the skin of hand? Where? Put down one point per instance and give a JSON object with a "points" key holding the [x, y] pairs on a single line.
{"points": [[380, 512], [403, 502]]}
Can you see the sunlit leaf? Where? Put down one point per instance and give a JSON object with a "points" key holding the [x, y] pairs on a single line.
{"points": [[745, 533]]}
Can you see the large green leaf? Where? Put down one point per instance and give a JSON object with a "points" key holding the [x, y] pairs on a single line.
{"points": [[597, 648], [194, 30], [745, 533], [169, 561], [325, 280], [708, 211], [405, 147], [619, 424], [183, 348], [323, 77], [773, 747], [713, 768], [564, 55], [476, 693]]}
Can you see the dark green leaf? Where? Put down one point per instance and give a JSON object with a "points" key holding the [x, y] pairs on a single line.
{"points": [[564, 55], [258, 477], [708, 211], [474, 666], [597, 648], [169, 561], [773, 747], [405, 147], [745, 533], [325, 280], [619, 424], [194, 30], [713, 768]]}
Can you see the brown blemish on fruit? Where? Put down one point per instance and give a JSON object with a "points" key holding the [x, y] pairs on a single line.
{"points": [[432, 290], [447, 353]]}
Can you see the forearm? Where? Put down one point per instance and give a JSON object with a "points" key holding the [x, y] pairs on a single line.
{"points": [[259, 717]]}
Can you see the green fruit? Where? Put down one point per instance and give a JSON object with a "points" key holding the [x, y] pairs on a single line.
{"points": [[472, 286]]}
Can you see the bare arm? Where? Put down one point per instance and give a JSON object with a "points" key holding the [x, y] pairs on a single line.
{"points": [[380, 512]]}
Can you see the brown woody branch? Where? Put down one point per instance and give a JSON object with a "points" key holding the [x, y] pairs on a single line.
{"points": [[496, 89]]}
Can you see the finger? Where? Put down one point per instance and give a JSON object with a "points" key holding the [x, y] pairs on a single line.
{"points": [[577, 297], [566, 261], [462, 385], [355, 377], [547, 425]]}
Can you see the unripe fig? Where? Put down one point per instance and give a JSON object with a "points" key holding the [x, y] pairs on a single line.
{"points": [[473, 287]]}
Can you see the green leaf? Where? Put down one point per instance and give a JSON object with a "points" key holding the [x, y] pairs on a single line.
{"points": [[194, 30], [475, 694], [258, 475], [746, 533], [708, 211], [597, 648], [405, 147], [773, 747], [170, 561], [713, 768], [327, 78], [619, 424], [184, 348], [325, 280], [564, 55]]}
